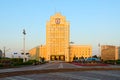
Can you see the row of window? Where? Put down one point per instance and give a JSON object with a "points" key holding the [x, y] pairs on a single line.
{"points": [[56, 37], [79, 52], [57, 34], [58, 46], [57, 40], [77, 49], [57, 28], [83, 54]]}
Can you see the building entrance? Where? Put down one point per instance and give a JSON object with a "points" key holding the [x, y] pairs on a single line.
{"points": [[57, 57]]}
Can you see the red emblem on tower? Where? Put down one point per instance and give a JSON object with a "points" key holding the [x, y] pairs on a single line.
{"points": [[57, 20]]}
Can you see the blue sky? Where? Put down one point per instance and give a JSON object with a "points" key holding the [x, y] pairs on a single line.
{"points": [[91, 22]]}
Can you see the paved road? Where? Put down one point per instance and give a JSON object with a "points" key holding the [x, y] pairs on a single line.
{"points": [[79, 75], [54, 65], [51, 65]]}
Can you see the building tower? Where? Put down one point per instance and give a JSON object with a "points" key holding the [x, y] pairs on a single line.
{"points": [[57, 38]]}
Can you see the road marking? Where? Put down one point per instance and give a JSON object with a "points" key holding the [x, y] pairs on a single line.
{"points": [[74, 76], [60, 66], [18, 78]]}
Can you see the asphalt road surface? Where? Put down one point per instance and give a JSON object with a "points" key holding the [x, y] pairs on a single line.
{"points": [[52, 65], [79, 75]]}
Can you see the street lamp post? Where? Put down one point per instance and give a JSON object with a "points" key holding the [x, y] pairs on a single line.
{"points": [[24, 33], [69, 50]]}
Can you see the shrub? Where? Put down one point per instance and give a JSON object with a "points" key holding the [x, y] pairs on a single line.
{"points": [[118, 61], [109, 61], [17, 60], [30, 62], [1, 65]]}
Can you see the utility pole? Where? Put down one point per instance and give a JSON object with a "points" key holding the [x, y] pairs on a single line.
{"points": [[4, 52], [24, 33], [99, 45]]}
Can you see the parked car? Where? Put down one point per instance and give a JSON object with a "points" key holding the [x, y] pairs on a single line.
{"points": [[90, 60]]}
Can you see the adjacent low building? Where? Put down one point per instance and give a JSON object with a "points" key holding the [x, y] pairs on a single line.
{"points": [[78, 51], [110, 52], [58, 44]]}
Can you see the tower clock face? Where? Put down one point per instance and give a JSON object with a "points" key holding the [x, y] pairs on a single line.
{"points": [[57, 20]]}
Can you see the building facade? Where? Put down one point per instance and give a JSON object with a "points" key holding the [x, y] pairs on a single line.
{"points": [[118, 52], [110, 52], [57, 42], [79, 51]]}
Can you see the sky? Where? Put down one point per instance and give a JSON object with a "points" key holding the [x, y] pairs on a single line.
{"points": [[91, 22]]}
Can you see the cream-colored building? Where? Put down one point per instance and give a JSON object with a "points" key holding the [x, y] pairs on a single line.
{"points": [[110, 52], [79, 51], [57, 42]]}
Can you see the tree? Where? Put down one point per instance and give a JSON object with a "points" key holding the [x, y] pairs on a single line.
{"points": [[94, 56], [82, 57], [42, 59], [74, 58]]}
